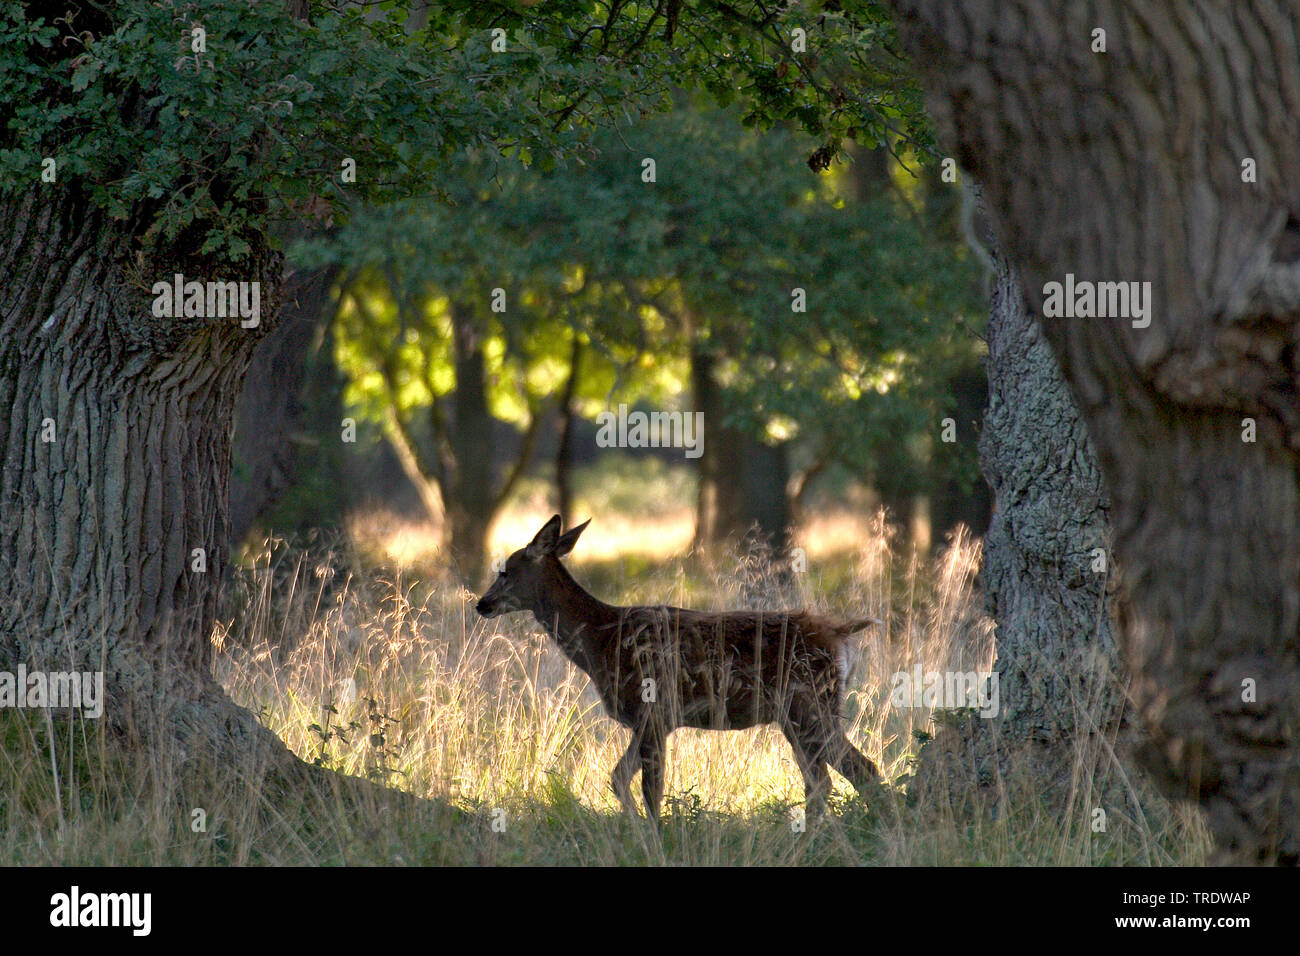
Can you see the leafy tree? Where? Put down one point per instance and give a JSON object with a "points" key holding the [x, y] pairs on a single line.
{"points": [[695, 267], [459, 320], [143, 141], [830, 320]]}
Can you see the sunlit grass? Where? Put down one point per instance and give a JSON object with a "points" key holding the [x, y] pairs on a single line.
{"points": [[490, 716], [366, 661], [490, 711]]}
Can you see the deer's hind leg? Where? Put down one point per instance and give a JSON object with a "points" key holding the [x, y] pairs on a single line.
{"points": [[810, 755], [853, 763], [813, 728], [653, 744], [856, 767], [624, 771]]}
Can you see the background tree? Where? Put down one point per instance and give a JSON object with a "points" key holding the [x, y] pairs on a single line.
{"points": [[458, 331], [708, 265], [758, 268]]}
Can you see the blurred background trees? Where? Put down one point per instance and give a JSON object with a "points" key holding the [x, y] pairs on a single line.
{"points": [[824, 322]]}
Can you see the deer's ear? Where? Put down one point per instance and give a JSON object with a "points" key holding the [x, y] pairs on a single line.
{"points": [[569, 539], [545, 540]]}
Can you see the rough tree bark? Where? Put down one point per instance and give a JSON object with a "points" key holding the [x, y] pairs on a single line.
{"points": [[114, 459], [1047, 551], [1045, 573], [1129, 165]]}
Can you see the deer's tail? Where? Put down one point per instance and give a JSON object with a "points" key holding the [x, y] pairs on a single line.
{"points": [[847, 651], [853, 627]]}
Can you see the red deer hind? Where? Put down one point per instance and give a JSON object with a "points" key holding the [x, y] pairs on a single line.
{"points": [[660, 668]]}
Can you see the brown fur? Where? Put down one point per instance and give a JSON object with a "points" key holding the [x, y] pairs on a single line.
{"points": [[658, 668]]}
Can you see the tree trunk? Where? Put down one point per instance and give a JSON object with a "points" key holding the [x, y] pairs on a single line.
{"points": [[471, 499], [455, 479], [716, 510], [1046, 554], [1129, 166], [742, 482], [1044, 576], [115, 454], [564, 444], [269, 416], [765, 473]]}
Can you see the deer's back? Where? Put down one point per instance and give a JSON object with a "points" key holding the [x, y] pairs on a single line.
{"points": [[722, 670]]}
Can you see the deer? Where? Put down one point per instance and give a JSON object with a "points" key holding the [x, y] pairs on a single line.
{"points": [[658, 668]]}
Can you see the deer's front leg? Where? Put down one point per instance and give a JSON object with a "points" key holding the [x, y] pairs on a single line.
{"points": [[626, 769]]}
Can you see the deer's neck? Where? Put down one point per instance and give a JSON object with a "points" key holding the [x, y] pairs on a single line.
{"points": [[573, 617]]}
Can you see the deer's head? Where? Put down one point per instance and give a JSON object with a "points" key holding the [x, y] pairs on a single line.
{"points": [[516, 588]]}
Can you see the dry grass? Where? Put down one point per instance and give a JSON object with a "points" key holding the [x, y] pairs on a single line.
{"points": [[365, 661], [490, 712]]}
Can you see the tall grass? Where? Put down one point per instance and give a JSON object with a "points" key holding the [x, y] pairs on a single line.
{"points": [[364, 659]]}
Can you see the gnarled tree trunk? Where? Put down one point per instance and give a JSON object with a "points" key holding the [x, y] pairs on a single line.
{"points": [[114, 459], [1045, 574], [1047, 554], [1129, 165]]}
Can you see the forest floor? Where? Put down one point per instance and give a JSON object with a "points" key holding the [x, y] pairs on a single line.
{"points": [[366, 660]]}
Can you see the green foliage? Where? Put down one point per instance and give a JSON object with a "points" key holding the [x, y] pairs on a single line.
{"points": [[374, 732], [703, 259], [844, 79], [481, 168], [734, 224], [410, 264], [215, 146]]}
